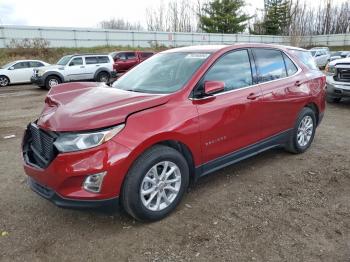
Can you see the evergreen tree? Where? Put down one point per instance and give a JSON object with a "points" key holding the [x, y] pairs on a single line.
{"points": [[223, 16], [277, 17]]}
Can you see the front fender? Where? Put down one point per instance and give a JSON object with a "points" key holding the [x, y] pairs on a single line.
{"points": [[49, 73]]}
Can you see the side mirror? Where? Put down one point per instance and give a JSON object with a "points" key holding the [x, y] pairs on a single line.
{"points": [[212, 87], [71, 64], [11, 68]]}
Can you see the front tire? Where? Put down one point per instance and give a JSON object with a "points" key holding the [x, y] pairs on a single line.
{"points": [[155, 184], [52, 81], [4, 81], [303, 132]]}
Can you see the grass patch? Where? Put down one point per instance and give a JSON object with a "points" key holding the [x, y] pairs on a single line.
{"points": [[52, 55]]}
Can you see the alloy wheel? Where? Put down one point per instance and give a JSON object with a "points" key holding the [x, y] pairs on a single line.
{"points": [[53, 82], [4, 81], [160, 186], [305, 130]]}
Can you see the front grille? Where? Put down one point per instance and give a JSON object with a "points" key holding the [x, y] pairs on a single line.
{"points": [[344, 74], [40, 148]]}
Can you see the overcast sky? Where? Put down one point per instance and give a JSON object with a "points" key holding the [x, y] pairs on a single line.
{"points": [[80, 13]]}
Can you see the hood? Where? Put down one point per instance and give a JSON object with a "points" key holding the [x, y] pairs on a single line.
{"points": [[51, 67], [88, 106], [340, 61]]}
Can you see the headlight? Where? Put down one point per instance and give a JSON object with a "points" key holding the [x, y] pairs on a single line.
{"points": [[40, 72], [68, 142], [330, 70]]}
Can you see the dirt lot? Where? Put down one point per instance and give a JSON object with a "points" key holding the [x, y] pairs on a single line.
{"points": [[274, 207]]}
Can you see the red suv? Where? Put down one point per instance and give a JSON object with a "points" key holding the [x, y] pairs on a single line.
{"points": [[125, 60], [178, 116]]}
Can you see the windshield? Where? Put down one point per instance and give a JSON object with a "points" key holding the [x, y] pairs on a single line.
{"points": [[7, 65], [162, 73], [64, 60]]}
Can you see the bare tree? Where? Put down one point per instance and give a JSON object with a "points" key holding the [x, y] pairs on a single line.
{"points": [[120, 24], [177, 16]]}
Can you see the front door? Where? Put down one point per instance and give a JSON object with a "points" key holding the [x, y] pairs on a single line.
{"points": [[76, 69], [20, 72], [229, 120]]}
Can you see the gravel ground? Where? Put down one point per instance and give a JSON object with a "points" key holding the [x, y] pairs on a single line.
{"points": [[273, 207]]}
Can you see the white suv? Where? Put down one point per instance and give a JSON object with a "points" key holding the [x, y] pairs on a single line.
{"points": [[321, 56], [69, 68]]}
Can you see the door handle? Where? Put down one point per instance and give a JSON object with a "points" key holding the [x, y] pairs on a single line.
{"points": [[97, 65], [253, 96], [298, 83], [82, 67]]}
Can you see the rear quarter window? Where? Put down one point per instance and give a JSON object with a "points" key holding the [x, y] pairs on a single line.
{"points": [[290, 66], [103, 59], [306, 58]]}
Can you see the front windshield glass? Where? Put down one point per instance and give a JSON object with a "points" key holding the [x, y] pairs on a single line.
{"points": [[7, 65], [64, 60], [162, 73]]}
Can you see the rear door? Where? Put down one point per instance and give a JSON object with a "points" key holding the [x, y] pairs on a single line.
{"points": [[92, 64], [229, 120], [131, 60], [281, 90]]}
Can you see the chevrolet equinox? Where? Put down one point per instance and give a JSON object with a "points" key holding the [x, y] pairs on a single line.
{"points": [[176, 117]]}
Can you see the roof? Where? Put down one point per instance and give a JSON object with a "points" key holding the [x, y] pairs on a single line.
{"points": [[197, 48], [215, 48]]}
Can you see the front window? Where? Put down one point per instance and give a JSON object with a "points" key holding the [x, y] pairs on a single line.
{"points": [[64, 60], [162, 73], [233, 69]]}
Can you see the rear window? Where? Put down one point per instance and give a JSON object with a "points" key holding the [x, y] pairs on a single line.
{"points": [[130, 55], [91, 60], [36, 64], [270, 64], [306, 58]]}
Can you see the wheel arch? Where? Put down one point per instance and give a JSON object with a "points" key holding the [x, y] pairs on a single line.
{"points": [[174, 143], [52, 73], [1, 75], [100, 70], [316, 110]]}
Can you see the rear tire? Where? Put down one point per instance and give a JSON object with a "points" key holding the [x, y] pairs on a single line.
{"points": [[103, 77], [303, 132], [52, 81], [4, 81], [155, 184]]}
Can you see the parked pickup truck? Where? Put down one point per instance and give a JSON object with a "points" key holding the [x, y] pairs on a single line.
{"points": [[125, 60]]}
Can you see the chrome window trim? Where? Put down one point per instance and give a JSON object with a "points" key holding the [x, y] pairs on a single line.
{"points": [[246, 87]]}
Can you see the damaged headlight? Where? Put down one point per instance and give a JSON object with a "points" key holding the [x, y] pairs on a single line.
{"points": [[69, 142], [330, 70]]}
